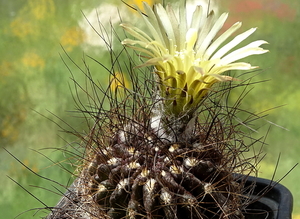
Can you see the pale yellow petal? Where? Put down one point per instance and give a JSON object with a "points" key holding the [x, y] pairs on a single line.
{"points": [[213, 47], [197, 17], [212, 33], [152, 24], [223, 77], [250, 49], [136, 32], [165, 22], [205, 30], [181, 79], [191, 37], [233, 66], [238, 39]]}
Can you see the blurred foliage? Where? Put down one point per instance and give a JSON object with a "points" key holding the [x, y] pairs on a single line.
{"points": [[33, 78]]}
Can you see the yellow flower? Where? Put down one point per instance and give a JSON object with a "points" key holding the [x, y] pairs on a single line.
{"points": [[118, 81], [22, 28], [187, 55], [72, 38], [40, 9], [33, 60]]}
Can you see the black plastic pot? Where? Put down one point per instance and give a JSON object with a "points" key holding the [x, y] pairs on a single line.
{"points": [[273, 200]]}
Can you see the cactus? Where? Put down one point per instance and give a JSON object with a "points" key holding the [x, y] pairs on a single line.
{"points": [[170, 147]]}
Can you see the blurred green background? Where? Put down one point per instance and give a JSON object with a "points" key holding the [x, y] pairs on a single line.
{"points": [[34, 80]]}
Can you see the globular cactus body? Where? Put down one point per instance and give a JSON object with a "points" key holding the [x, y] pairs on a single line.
{"points": [[140, 175]]}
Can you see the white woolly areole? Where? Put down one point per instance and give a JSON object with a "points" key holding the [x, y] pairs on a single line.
{"points": [[102, 188], [176, 170], [145, 172], [190, 162], [122, 136], [123, 183], [134, 165], [165, 196], [113, 161], [208, 188], [150, 184], [173, 148]]}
